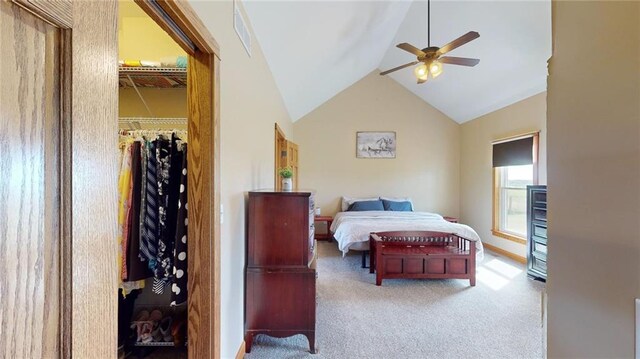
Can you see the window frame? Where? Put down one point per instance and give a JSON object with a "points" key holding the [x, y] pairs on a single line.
{"points": [[496, 195]]}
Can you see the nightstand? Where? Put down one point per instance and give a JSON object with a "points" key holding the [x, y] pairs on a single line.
{"points": [[324, 236], [450, 219]]}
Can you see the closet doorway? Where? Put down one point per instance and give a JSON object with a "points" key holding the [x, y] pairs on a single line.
{"points": [[168, 98]]}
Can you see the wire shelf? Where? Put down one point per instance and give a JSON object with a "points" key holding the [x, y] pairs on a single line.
{"points": [[152, 77]]}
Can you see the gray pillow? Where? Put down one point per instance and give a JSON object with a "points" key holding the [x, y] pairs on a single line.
{"points": [[366, 206], [403, 206]]}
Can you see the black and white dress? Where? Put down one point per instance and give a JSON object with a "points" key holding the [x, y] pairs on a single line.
{"points": [[179, 286]]}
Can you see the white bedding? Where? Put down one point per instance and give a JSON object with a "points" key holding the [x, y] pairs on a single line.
{"points": [[350, 229]]}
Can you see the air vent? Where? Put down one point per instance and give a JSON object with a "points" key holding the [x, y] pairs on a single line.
{"points": [[241, 28]]}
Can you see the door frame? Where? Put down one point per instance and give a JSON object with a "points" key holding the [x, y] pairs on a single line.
{"points": [[280, 142], [88, 170], [182, 24]]}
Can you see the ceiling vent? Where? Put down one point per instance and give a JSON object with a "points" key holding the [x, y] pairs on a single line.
{"points": [[241, 28]]}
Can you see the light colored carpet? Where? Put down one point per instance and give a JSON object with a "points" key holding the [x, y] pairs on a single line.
{"points": [[498, 318]]}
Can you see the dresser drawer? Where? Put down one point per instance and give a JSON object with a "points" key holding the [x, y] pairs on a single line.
{"points": [[280, 299], [539, 230], [539, 198], [539, 248], [539, 214], [539, 264]]}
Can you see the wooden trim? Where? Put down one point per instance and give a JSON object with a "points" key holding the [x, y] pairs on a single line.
{"points": [[181, 22], [279, 140], [66, 280], [217, 198], [508, 236], [505, 253], [536, 154], [204, 204], [279, 131], [241, 351], [94, 122], [495, 198], [187, 19], [57, 13]]}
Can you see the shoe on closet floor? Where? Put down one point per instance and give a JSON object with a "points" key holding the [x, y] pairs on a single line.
{"points": [[165, 328], [156, 317]]}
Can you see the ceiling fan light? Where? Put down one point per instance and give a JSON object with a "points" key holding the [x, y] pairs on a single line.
{"points": [[421, 71], [435, 68]]}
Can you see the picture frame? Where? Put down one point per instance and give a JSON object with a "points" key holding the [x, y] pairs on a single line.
{"points": [[376, 144]]}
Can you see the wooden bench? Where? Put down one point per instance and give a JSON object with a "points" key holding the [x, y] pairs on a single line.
{"points": [[421, 254]]}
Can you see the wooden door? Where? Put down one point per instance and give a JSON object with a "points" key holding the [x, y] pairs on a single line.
{"points": [[292, 161], [30, 247], [280, 156]]}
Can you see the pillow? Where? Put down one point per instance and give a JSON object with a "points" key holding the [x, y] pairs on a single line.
{"points": [[399, 199], [347, 201], [366, 206], [403, 206]]}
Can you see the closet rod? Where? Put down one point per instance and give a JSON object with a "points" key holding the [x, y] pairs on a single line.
{"points": [[137, 122]]}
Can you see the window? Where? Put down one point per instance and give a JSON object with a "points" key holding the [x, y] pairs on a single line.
{"points": [[515, 167]]}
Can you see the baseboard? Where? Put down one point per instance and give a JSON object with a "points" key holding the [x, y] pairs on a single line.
{"points": [[241, 351], [515, 257]]}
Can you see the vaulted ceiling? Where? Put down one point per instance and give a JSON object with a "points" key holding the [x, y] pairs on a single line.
{"points": [[315, 49]]}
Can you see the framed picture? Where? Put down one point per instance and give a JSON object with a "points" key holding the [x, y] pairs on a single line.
{"points": [[375, 144]]}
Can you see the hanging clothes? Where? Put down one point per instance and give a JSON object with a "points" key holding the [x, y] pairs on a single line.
{"points": [[143, 194], [136, 268], [130, 242], [124, 190], [167, 239], [179, 287], [163, 157], [151, 226], [152, 213]]}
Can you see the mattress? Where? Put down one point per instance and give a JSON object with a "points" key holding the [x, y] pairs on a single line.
{"points": [[351, 229]]}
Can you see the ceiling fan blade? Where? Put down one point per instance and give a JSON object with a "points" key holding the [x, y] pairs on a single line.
{"points": [[410, 48], [398, 68], [469, 36], [463, 61]]}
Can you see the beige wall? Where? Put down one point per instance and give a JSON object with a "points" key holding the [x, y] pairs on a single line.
{"points": [[162, 102], [250, 105], [594, 179], [426, 164], [476, 173]]}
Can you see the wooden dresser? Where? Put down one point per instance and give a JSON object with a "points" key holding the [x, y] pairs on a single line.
{"points": [[280, 292], [537, 228]]}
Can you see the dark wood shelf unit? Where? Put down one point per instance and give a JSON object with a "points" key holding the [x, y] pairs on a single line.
{"points": [[537, 232], [280, 292]]}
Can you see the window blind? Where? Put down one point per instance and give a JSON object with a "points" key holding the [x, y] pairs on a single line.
{"points": [[516, 152]]}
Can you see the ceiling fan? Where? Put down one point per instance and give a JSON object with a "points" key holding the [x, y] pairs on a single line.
{"points": [[431, 58]]}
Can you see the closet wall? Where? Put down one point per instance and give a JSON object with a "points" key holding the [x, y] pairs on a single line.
{"points": [[136, 25]]}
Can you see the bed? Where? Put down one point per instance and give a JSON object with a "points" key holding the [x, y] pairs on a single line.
{"points": [[351, 229]]}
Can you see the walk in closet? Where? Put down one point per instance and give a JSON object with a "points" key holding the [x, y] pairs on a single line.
{"points": [[152, 190]]}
